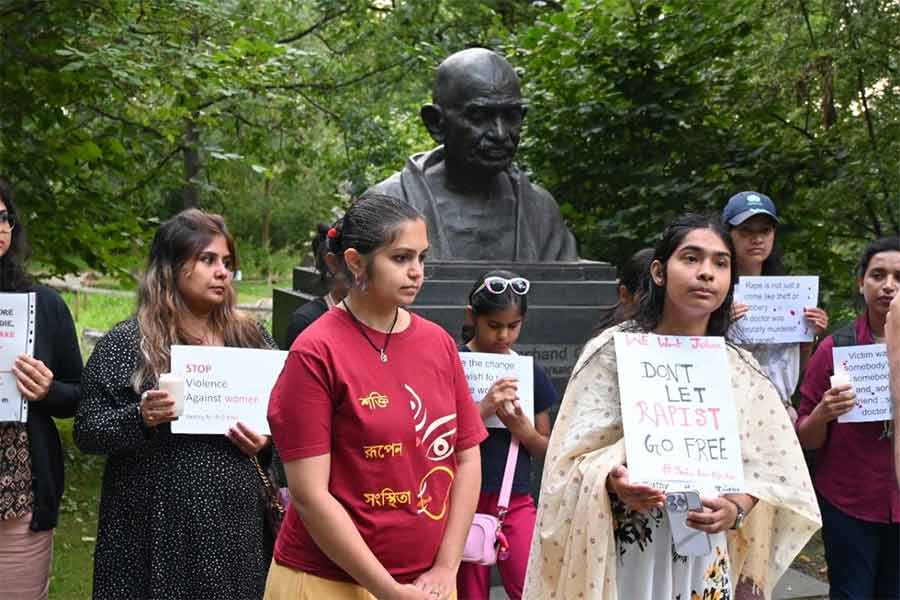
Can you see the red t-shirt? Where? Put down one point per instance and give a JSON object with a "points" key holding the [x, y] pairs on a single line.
{"points": [[392, 430]]}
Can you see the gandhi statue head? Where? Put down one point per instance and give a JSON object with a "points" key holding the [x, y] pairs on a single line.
{"points": [[476, 113]]}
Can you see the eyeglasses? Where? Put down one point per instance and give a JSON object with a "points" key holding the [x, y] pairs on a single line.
{"points": [[498, 285], [8, 220]]}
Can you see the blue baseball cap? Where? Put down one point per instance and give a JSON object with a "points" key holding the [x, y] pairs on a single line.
{"points": [[744, 205]]}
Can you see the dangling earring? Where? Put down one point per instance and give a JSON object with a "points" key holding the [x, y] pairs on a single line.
{"points": [[361, 282]]}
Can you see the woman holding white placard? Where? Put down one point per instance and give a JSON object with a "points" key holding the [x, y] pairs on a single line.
{"points": [[181, 516], [599, 536], [31, 456], [854, 477], [753, 219]]}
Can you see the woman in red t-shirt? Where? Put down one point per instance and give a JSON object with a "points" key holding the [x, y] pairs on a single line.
{"points": [[379, 435]]}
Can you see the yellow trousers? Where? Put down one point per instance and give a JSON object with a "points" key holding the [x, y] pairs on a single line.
{"points": [[285, 583]]}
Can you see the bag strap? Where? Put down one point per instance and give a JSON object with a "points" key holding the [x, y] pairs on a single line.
{"points": [[512, 458], [845, 336], [271, 492]]}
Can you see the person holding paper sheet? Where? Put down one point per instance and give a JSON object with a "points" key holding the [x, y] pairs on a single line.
{"points": [[495, 315], [753, 220], [31, 457], [379, 434], [181, 516], [599, 536], [855, 477]]}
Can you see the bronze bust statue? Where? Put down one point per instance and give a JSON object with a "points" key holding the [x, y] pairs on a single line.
{"points": [[478, 205]]}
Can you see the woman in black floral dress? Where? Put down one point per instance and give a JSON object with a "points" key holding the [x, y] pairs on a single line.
{"points": [[180, 515]]}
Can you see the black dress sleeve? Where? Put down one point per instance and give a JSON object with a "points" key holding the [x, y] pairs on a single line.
{"points": [[108, 421], [62, 399]]}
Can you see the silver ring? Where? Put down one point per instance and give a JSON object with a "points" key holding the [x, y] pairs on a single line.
{"points": [[145, 395]]}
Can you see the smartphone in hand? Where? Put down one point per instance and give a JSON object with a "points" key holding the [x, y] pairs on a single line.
{"points": [[688, 541]]}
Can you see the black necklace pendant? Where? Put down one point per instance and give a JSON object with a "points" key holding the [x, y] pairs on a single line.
{"points": [[382, 352]]}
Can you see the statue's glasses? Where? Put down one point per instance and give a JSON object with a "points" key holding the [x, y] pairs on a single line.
{"points": [[498, 285]]}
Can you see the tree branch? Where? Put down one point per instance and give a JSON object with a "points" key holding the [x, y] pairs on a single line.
{"points": [[314, 27], [799, 130], [150, 176]]}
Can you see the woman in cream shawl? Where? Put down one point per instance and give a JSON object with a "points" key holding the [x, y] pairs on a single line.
{"points": [[590, 543]]}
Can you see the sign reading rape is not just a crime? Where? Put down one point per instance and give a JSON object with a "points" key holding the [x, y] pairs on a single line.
{"points": [[225, 385], [678, 414]]}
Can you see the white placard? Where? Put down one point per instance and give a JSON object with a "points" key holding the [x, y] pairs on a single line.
{"points": [[225, 385], [17, 312], [866, 368], [483, 369], [776, 308], [678, 413]]}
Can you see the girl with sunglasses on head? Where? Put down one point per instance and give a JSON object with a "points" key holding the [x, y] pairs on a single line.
{"points": [[854, 477], [600, 536], [495, 315], [31, 456], [378, 432]]}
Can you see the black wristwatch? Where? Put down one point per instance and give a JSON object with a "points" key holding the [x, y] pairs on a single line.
{"points": [[739, 518]]}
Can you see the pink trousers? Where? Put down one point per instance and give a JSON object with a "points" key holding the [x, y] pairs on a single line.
{"points": [[25, 560], [473, 581]]}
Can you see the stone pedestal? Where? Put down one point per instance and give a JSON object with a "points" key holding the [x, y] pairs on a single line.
{"points": [[563, 304]]}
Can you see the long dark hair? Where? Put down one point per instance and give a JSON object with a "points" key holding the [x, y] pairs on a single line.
{"points": [[651, 304], [370, 223], [161, 309], [633, 274], [13, 277], [484, 302]]}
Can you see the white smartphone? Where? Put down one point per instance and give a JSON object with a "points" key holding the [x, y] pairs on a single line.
{"points": [[688, 541]]}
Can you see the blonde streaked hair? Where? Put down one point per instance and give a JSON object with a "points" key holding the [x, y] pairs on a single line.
{"points": [[161, 309]]}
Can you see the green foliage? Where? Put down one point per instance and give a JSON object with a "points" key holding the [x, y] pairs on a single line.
{"points": [[642, 110], [275, 112]]}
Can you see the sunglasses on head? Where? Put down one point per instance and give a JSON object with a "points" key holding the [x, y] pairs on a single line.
{"points": [[498, 285]]}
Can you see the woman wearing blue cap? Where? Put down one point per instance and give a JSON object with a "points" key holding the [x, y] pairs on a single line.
{"points": [[753, 219]]}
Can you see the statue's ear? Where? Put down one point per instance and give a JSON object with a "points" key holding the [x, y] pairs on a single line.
{"points": [[433, 117]]}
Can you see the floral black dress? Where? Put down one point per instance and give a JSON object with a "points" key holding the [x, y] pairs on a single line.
{"points": [[181, 516]]}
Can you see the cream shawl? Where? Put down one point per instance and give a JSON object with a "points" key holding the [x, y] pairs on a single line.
{"points": [[573, 553]]}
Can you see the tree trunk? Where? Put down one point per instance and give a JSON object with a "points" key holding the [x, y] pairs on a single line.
{"points": [[190, 193], [266, 233]]}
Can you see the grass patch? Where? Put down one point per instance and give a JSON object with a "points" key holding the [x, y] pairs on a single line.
{"points": [[73, 554]]}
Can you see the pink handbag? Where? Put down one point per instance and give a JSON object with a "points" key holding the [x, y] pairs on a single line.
{"points": [[486, 542]]}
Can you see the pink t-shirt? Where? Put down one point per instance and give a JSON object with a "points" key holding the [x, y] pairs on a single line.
{"points": [[393, 430]]}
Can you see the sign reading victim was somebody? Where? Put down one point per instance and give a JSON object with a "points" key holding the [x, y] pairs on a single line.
{"points": [[225, 385], [776, 306], [866, 369], [678, 414], [483, 369]]}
